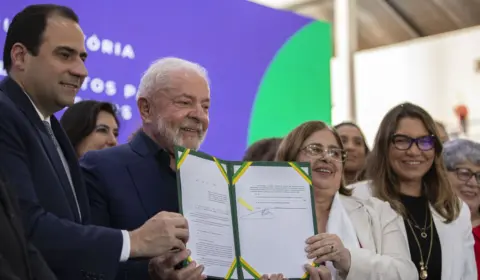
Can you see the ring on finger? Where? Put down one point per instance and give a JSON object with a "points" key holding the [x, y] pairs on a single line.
{"points": [[332, 248]]}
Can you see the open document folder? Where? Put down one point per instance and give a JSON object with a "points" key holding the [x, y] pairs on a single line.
{"points": [[246, 219]]}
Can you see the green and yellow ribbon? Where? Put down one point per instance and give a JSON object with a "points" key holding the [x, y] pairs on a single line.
{"points": [[241, 171], [250, 269], [222, 170], [301, 172], [231, 269], [182, 158]]}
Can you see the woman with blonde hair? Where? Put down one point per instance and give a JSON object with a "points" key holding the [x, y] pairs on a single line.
{"points": [[406, 169], [358, 240]]}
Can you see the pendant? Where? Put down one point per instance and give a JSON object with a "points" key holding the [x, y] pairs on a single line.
{"points": [[423, 271], [423, 274], [423, 234]]}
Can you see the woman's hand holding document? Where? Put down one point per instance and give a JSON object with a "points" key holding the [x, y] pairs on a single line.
{"points": [[247, 219], [329, 247]]}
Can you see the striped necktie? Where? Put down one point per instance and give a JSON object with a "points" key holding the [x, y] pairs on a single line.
{"points": [[64, 163]]}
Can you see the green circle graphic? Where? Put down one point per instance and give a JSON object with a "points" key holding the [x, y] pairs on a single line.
{"points": [[296, 85]]}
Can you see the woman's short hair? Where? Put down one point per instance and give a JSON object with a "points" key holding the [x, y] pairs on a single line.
{"points": [[291, 145], [263, 150], [80, 119], [458, 151], [386, 183]]}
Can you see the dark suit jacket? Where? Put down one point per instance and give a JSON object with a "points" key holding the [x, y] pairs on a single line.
{"points": [[31, 164], [127, 185], [19, 260]]}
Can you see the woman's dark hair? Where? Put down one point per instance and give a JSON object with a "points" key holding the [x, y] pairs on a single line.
{"points": [[367, 150], [362, 174], [263, 150], [80, 119]]}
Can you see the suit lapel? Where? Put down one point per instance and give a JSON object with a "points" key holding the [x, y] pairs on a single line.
{"points": [[448, 247], [403, 229], [358, 216], [72, 161], [145, 174], [139, 172], [23, 103]]}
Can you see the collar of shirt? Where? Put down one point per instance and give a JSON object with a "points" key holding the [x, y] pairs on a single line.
{"points": [[42, 117], [152, 146], [162, 156]]}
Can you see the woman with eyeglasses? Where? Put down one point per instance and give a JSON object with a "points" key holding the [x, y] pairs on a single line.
{"points": [[462, 159], [358, 240], [406, 169]]}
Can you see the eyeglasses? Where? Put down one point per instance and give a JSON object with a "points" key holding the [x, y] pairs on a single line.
{"points": [[315, 150], [464, 174], [404, 142]]}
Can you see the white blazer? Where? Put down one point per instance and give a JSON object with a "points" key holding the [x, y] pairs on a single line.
{"points": [[383, 254], [456, 238]]}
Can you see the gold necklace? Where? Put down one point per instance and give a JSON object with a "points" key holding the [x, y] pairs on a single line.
{"points": [[423, 230], [423, 265]]}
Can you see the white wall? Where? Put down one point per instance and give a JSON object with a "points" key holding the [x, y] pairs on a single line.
{"points": [[436, 73]]}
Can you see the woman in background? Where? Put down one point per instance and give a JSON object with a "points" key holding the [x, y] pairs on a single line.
{"points": [[262, 150], [406, 169], [91, 125], [358, 240], [357, 150], [462, 159]]}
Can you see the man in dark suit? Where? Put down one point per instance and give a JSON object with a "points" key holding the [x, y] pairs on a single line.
{"points": [[44, 57], [19, 259], [129, 183]]}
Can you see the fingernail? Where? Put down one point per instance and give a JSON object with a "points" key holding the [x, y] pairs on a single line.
{"points": [[189, 252]]}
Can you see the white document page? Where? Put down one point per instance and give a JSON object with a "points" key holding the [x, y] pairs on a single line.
{"points": [[206, 206], [275, 218]]}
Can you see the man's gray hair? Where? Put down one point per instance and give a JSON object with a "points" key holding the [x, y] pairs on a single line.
{"points": [[157, 75], [459, 151]]}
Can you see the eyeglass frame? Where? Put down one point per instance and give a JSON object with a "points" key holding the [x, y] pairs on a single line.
{"points": [[476, 174], [325, 152], [413, 140]]}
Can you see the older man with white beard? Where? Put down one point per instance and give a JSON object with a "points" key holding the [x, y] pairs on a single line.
{"points": [[130, 183]]}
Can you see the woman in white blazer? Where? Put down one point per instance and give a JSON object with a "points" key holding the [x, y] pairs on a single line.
{"points": [[406, 169], [357, 240]]}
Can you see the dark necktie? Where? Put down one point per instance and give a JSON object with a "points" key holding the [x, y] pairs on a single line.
{"points": [[64, 163]]}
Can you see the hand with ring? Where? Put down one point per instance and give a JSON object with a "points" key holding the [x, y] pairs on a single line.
{"points": [[328, 247]]}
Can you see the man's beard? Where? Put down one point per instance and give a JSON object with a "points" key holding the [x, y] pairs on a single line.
{"points": [[173, 135]]}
